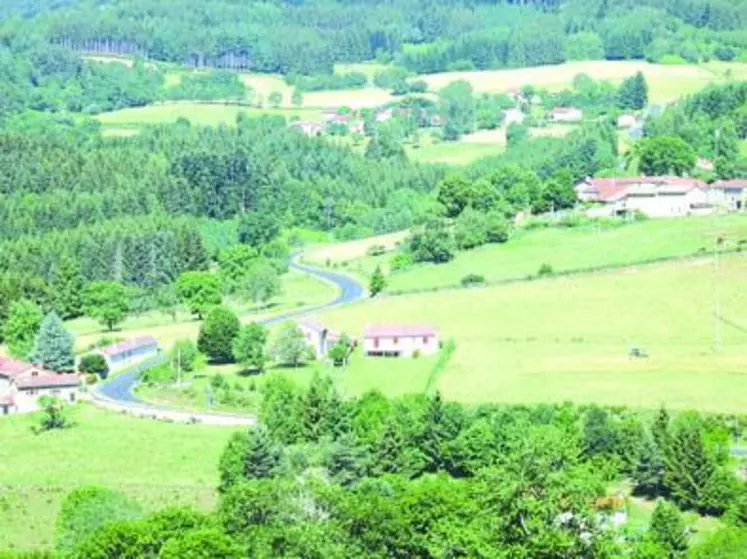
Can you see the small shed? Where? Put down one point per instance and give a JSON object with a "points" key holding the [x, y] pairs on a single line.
{"points": [[131, 351], [319, 337], [400, 340]]}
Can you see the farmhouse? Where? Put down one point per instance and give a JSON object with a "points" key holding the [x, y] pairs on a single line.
{"points": [[124, 354], [22, 384], [566, 114], [730, 195], [626, 121], [319, 337], [308, 128], [400, 340], [652, 196], [513, 115]]}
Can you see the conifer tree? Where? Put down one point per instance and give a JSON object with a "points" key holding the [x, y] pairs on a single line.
{"points": [[231, 464], [668, 530], [649, 472], [377, 283], [263, 456], [53, 348], [434, 434], [346, 462], [390, 450], [281, 409], [315, 408], [67, 289]]}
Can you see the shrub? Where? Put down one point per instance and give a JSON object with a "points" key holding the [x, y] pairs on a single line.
{"points": [[94, 364], [92, 379], [472, 279], [545, 269], [400, 261], [376, 250], [218, 382]]}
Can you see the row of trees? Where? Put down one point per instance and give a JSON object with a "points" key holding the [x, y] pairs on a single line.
{"points": [[309, 37], [419, 477]]}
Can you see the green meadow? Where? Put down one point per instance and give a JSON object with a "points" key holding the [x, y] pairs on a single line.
{"points": [[569, 338], [156, 463], [564, 249]]}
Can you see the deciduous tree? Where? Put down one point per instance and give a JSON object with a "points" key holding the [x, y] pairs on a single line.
{"points": [[106, 301], [217, 335], [200, 291], [21, 327], [250, 347]]}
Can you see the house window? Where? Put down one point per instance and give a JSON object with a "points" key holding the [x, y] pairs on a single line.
{"points": [[425, 340], [376, 342], [396, 340]]}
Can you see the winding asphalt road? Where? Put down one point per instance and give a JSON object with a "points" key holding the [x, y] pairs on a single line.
{"points": [[119, 389]]}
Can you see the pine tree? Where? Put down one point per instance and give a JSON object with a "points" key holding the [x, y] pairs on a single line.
{"points": [[649, 472], [67, 289], [378, 282], [346, 462], [263, 456], [668, 530], [434, 434], [231, 464], [390, 450], [315, 410], [281, 409], [53, 348], [660, 430]]}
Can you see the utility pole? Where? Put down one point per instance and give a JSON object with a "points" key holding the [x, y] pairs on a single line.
{"points": [[179, 367]]}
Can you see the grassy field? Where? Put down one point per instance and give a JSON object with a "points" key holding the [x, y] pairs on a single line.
{"points": [[469, 148], [156, 463], [299, 290], [568, 338], [666, 83], [563, 249], [198, 113]]}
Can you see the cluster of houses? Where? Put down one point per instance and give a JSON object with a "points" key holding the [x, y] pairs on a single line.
{"points": [[351, 121], [384, 340], [661, 196], [22, 384]]}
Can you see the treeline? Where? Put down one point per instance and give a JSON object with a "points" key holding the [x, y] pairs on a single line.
{"points": [[711, 123], [423, 35], [329, 82], [420, 477]]}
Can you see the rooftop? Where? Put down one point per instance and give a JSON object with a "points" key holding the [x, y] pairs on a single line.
{"points": [[129, 345], [12, 368], [733, 183], [47, 379], [399, 330]]}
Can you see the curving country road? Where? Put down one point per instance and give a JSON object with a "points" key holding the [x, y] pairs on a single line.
{"points": [[118, 391]]}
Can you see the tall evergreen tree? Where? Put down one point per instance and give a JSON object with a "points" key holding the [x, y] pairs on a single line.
{"points": [[263, 456], [649, 472], [347, 460], [67, 289], [315, 408], [435, 434], [53, 348], [668, 530], [389, 453]]}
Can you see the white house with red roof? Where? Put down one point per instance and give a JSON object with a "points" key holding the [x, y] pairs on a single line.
{"points": [[400, 340], [730, 194], [125, 354], [22, 384], [652, 196], [319, 337]]}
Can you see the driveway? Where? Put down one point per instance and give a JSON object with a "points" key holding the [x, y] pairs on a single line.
{"points": [[117, 393]]}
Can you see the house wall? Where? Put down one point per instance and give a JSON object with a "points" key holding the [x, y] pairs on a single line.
{"points": [[27, 400], [732, 199], [666, 205], [405, 346], [125, 359], [315, 339]]}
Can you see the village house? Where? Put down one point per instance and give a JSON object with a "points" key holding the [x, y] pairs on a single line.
{"points": [[22, 384], [513, 115], [566, 114], [652, 196], [626, 121], [319, 337], [307, 128], [124, 354], [384, 115], [730, 195], [400, 340]]}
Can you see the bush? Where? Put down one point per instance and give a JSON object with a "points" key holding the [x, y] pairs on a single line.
{"points": [[400, 261], [92, 379], [94, 364], [472, 279], [376, 250], [545, 270], [218, 382]]}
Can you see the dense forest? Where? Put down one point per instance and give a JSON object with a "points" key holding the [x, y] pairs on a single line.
{"points": [[424, 35], [327, 477]]}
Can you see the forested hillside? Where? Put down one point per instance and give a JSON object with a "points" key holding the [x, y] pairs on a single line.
{"points": [[422, 35]]}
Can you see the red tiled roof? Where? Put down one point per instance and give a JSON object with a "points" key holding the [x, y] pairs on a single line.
{"points": [[47, 379], [734, 183], [399, 330], [610, 188], [129, 345], [12, 368]]}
